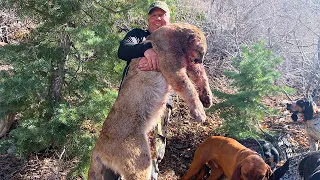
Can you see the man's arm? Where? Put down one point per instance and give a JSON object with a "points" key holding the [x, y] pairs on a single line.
{"points": [[131, 46]]}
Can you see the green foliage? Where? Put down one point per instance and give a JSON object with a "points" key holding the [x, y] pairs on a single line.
{"points": [[66, 129], [64, 73], [253, 79]]}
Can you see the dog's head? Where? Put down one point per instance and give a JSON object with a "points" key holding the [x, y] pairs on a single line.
{"points": [[252, 167], [304, 106]]}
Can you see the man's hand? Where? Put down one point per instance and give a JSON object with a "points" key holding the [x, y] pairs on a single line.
{"points": [[143, 64], [152, 60]]}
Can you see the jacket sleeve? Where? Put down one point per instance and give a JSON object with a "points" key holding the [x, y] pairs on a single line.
{"points": [[131, 46]]}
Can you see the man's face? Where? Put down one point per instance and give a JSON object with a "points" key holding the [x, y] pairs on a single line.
{"points": [[158, 18]]}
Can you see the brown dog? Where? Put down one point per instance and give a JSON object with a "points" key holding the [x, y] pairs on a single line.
{"points": [[226, 156], [123, 145]]}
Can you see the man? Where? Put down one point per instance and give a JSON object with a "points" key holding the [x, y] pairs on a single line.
{"points": [[130, 48], [158, 16]]}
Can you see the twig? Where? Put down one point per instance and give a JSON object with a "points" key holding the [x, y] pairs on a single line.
{"points": [[64, 150], [286, 94]]}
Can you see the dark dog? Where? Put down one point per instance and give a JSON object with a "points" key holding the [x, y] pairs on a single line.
{"points": [[267, 151], [293, 169], [309, 167], [309, 111]]}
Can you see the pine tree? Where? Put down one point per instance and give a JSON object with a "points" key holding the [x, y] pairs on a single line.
{"points": [[254, 77]]}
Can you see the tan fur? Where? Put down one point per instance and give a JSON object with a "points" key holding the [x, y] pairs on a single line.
{"points": [[226, 156], [122, 145]]}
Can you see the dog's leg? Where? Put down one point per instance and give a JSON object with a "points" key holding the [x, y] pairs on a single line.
{"points": [[202, 172], [313, 146], [197, 164], [313, 131], [195, 167], [216, 172]]}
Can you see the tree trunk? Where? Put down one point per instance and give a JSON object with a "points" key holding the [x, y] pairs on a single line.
{"points": [[6, 123], [58, 71]]}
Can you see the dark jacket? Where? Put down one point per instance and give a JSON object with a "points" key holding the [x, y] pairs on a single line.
{"points": [[131, 47]]}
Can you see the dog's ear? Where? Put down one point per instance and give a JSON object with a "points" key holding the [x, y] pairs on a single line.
{"points": [[308, 110], [237, 173]]}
